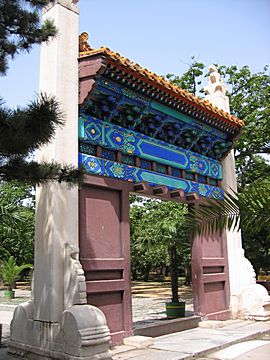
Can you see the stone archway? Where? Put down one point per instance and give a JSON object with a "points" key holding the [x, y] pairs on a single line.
{"points": [[153, 138], [135, 127], [105, 254]]}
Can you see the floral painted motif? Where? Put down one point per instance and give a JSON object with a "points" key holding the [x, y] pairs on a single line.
{"points": [[118, 138], [114, 137], [129, 173], [117, 170], [198, 164], [92, 164]]}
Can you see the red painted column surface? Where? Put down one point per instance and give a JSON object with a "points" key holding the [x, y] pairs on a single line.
{"points": [[210, 276], [105, 251]]}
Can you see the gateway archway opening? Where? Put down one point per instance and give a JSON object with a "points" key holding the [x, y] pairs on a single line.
{"points": [[105, 253], [140, 134], [158, 237]]}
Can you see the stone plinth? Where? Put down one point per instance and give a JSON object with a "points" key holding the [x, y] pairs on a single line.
{"points": [[82, 333]]}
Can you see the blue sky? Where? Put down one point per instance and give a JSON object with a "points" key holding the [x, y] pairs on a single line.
{"points": [[161, 35]]}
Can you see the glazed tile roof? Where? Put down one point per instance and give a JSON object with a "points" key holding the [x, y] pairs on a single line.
{"points": [[174, 90]]}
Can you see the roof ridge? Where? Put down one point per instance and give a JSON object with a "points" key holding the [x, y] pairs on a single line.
{"points": [[162, 81]]}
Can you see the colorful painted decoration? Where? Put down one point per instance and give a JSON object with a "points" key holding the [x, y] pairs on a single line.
{"points": [[127, 135], [117, 104], [102, 167], [148, 103], [131, 143]]}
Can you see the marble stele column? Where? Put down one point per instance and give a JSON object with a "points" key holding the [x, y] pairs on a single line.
{"points": [[247, 299], [57, 322]]}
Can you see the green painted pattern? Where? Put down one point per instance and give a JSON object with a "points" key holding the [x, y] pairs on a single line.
{"points": [[81, 128], [164, 180], [115, 137], [185, 118], [171, 112]]}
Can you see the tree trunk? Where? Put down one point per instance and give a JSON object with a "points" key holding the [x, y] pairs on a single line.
{"points": [[188, 275], [145, 273], [134, 274], [174, 273]]}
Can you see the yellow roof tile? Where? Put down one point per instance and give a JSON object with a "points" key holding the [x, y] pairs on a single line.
{"points": [[160, 80]]}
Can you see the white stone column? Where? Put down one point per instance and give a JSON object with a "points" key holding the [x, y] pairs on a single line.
{"points": [[241, 272], [57, 322], [57, 204]]}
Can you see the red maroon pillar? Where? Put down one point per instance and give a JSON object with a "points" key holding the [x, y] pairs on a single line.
{"points": [[105, 251], [210, 277]]}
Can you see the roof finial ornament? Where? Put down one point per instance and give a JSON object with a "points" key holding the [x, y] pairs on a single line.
{"points": [[215, 82], [216, 90], [83, 43]]}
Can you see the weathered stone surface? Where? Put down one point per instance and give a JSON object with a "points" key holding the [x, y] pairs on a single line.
{"points": [[50, 327], [85, 332], [255, 303], [139, 342], [241, 272]]}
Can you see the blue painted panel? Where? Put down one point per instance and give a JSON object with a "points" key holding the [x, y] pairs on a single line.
{"points": [[129, 142], [163, 154], [129, 173]]}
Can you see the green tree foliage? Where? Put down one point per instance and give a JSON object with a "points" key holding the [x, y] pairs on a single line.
{"points": [[20, 28], [145, 255], [248, 211], [10, 271], [255, 168], [159, 238], [17, 222], [25, 129], [249, 95], [190, 80]]}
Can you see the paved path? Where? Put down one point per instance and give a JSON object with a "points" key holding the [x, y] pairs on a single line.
{"points": [[203, 343], [248, 350], [148, 301], [233, 339]]}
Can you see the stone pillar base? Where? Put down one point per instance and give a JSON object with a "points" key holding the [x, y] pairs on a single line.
{"points": [[82, 333], [254, 303]]}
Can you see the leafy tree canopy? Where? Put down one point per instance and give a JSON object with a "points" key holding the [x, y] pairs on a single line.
{"points": [[17, 220], [249, 95], [218, 214], [159, 238], [192, 79]]}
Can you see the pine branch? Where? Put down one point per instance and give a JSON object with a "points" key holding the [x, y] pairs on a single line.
{"points": [[20, 28], [38, 173], [25, 130]]}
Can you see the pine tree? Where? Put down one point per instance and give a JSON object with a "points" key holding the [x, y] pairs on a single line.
{"points": [[24, 130]]}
